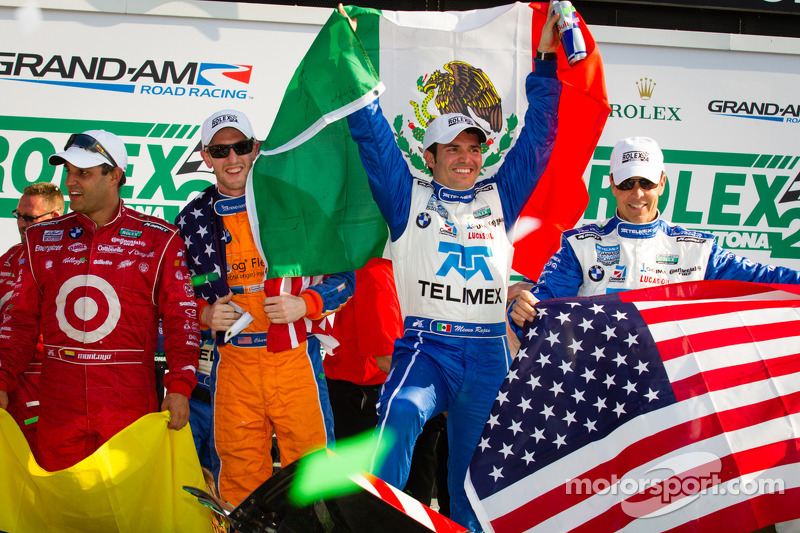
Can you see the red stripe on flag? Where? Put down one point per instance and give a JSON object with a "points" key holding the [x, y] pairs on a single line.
{"points": [[669, 313], [748, 515], [704, 290], [722, 378], [647, 449], [698, 342]]}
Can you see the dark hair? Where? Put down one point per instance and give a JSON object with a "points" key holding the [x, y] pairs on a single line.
{"points": [[105, 168]]}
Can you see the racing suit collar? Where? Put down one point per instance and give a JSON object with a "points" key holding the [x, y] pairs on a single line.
{"points": [[633, 230], [89, 224], [452, 195]]}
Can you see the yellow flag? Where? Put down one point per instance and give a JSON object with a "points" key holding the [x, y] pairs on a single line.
{"points": [[132, 483]]}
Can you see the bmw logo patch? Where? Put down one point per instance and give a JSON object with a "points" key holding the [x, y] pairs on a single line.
{"points": [[596, 273], [226, 236], [423, 220], [75, 232]]}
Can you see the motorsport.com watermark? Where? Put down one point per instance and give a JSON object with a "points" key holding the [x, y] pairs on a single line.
{"points": [[693, 475]]}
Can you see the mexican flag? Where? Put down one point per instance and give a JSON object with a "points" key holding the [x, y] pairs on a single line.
{"points": [[308, 195]]}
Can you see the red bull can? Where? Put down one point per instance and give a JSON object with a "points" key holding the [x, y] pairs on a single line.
{"points": [[570, 31]]}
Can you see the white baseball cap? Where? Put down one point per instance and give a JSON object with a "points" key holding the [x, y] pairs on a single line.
{"points": [[92, 148], [637, 157], [443, 129], [227, 118]]}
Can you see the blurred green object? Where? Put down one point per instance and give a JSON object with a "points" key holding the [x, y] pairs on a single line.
{"points": [[204, 278], [326, 474]]}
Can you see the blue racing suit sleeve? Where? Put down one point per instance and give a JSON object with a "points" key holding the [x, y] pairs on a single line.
{"points": [[387, 171], [334, 290], [561, 276], [526, 161], [723, 264]]}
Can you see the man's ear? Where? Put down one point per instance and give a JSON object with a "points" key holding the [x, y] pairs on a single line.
{"points": [[206, 158], [429, 159]]}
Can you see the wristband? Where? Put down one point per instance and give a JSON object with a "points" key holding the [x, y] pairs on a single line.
{"points": [[546, 56]]}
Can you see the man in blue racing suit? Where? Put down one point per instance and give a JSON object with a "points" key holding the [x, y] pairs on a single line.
{"points": [[452, 256], [636, 248]]}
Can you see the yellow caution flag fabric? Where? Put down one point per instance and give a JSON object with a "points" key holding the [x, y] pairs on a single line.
{"points": [[131, 483]]}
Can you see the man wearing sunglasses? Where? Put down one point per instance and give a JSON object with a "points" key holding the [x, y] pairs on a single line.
{"points": [[267, 377], [636, 248], [39, 202], [95, 283]]}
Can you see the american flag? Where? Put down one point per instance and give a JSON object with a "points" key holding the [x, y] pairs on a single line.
{"points": [[672, 408]]}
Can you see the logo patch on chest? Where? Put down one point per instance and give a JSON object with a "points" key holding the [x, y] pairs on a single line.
{"points": [[596, 273]]}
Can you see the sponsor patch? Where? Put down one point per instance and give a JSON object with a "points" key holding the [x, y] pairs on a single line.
{"points": [[108, 249], [607, 255], [125, 232], [596, 273], [78, 247], [128, 242], [75, 232], [153, 225], [449, 229], [691, 239], [423, 220], [48, 248], [482, 213], [667, 259], [619, 274], [52, 235]]}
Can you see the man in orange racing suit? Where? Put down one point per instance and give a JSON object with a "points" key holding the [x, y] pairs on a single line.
{"points": [[269, 376]]}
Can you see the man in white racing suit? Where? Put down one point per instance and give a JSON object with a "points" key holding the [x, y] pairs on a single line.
{"points": [[451, 255], [636, 248]]}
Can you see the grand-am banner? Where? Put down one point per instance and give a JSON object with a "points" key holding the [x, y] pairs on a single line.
{"points": [[150, 77], [722, 107]]}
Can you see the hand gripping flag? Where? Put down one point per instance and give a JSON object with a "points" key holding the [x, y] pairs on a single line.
{"points": [[672, 408], [308, 197]]}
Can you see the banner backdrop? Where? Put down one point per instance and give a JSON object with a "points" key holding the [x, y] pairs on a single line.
{"points": [[723, 108], [728, 122], [150, 77]]}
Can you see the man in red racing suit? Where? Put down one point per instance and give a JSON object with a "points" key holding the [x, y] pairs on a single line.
{"points": [[95, 282], [39, 202]]}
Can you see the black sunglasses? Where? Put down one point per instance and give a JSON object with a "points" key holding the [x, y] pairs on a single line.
{"points": [[644, 183], [89, 143], [30, 219], [218, 151]]}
